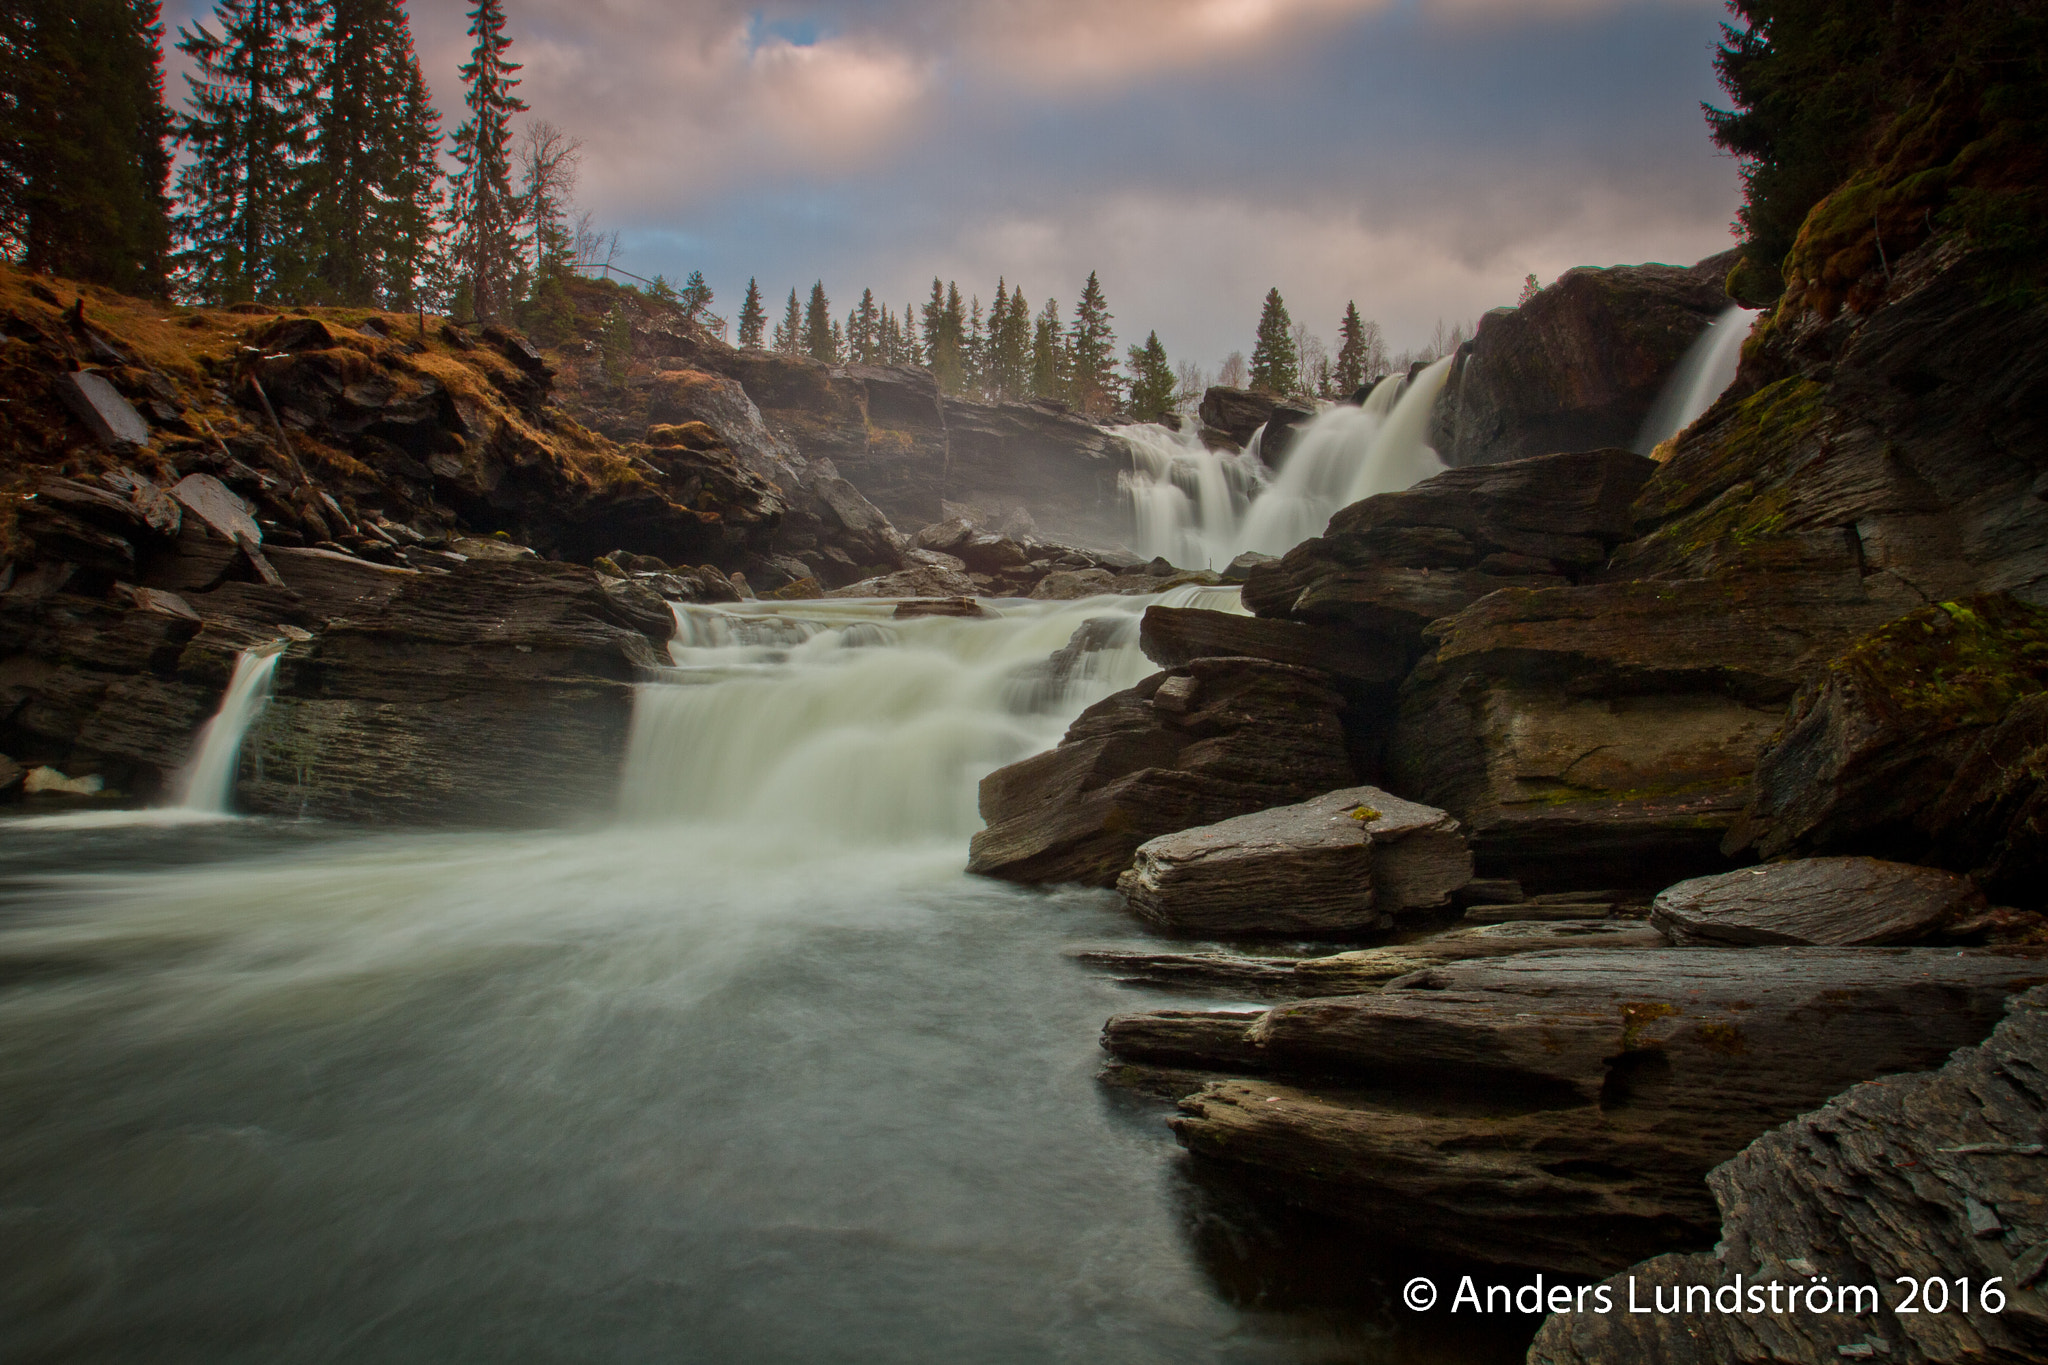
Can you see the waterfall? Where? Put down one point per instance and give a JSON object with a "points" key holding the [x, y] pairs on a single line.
{"points": [[834, 724], [206, 784], [1706, 371], [1201, 508]]}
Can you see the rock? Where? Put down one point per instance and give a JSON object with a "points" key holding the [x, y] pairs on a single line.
{"points": [[1255, 734], [1240, 568], [1352, 862], [1237, 413], [1560, 1110], [922, 581], [990, 554], [1933, 1177], [946, 536], [45, 779], [1831, 902], [492, 550], [1395, 562], [1171, 636], [1880, 750], [213, 503], [1069, 585], [1276, 437], [11, 777], [1577, 367], [99, 405], [939, 606]]}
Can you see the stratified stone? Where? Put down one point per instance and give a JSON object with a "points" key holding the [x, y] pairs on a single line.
{"points": [[1349, 863], [1171, 636], [1830, 902], [106, 414]]}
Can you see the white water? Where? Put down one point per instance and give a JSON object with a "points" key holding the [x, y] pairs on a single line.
{"points": [[1705, 373], [1200, 508], [203, 789], [836, 724]]}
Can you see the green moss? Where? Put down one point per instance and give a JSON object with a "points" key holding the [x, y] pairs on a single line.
{"points": [[1766, 428], [1954, 664]]}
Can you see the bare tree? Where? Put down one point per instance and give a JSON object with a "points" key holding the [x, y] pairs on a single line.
{"points": [[593, 247], [548, 160], [1313, 357], [1193, 384], [1234, 371]]}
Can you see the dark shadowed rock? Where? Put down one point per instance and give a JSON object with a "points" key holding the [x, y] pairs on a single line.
{"points": [[1237, 413], [1577, 367], [1934, 1177], [1198, 744], [1350, 863], [1561, 1110], [1171, 636], [1830, 902]]}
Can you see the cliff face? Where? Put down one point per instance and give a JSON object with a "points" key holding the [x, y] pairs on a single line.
{"points": [[1579, 366]]}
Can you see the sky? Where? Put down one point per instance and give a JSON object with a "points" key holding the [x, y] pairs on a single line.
{"points": [[1418, 157]]}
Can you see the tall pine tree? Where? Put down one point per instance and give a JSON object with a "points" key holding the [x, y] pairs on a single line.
{"points": [[864, 331], [1350, 370], [247, 132], [789, 333], [753, 318], [818, 340], [483, 212], [83, 161], [1091, 348], [1275, 366], [1152, 381], [375, 158], [1048, 355]]}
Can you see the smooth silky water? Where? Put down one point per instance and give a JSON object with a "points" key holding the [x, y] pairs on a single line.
{"points": [[748, 1070]]}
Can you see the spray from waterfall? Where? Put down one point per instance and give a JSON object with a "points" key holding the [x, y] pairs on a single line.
{"points": [[206, 784], [1702, 376], [1201, 508]]}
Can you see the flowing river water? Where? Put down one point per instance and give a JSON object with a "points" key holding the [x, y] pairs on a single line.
{"points": [[747, 1070]]}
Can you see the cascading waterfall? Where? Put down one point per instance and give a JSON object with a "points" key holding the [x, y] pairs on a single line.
{"points": [[1702, 376], [206, 784], [834, 722], [1201, 508]]}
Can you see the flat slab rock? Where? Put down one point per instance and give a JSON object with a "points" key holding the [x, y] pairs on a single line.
{"points": [[1348, 862], [1937, 1175], [1830, 902], [1599, 1087]]}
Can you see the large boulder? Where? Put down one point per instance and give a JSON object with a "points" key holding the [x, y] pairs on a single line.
{"points": [[1903, 1188], [1190, 746], [1561, 1109], [1352, 863], [1830, 902], [1040, 456], [1172, 636], [1236, 413], [1578, 366]]}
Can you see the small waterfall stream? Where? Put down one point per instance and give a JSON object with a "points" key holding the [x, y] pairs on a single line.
{"points": [[206, 784], [1201, 508], [1706, 371]]}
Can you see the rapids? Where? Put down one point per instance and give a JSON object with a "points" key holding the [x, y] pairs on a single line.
{"points": [[747, 1071]]}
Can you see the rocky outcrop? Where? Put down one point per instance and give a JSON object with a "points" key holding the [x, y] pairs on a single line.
{"points": [[1831, 902], [1922, 739], [1933, 1179], [1189, 746], [1172, 636], [1352, 863], [1577, 367], [1236, 413], [1560, 1110]]}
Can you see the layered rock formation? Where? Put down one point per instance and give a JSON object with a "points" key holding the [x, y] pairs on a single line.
{"points": [[1577, 367]]}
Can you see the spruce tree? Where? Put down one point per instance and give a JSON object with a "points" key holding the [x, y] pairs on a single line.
{"points": [[818, 323], [1091, 347], [864, 330], [1048, 355], [974, 355], [789, 333], [410, 238], [1012, 348], [247, 131], [942, 327], [83, 161], [483, 209], [1350, 368], [1152, 381], [753, 318], [1275, 366], [695, 300], [373, 166]]}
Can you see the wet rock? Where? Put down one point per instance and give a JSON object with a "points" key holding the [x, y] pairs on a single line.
{"points": [[1832, 902], [1577, 367], [1171, 636], [922, 581], [1240, 568], [1069, 585], [1347, 864], [939, 606], [1933, 1177], [99, 405], [48, 781], [11, 776], [1253, 734], [1237, 413], [1561, 1109], [489, 548]]}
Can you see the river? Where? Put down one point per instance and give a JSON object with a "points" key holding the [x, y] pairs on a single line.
{"points": [[746, 1070]]}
